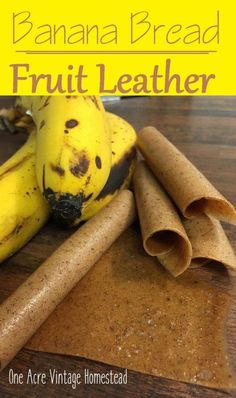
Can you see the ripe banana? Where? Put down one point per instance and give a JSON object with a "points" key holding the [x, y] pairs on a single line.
{"points": [[23, 209], [73, 158], [123, 140]]}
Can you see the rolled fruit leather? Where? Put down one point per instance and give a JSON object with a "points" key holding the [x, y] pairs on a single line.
{"points": [[209, 242], [162, 231], [186, 185]]}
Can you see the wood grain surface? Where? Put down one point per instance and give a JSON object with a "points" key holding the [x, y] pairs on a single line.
{"points": [[204, 128]]}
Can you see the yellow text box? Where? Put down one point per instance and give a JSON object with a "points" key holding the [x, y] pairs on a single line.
{"points": [[138, 48]]}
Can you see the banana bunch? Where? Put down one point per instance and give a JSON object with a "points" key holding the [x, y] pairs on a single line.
{"points": [[75, 161], [23, 209], [73, 157]]}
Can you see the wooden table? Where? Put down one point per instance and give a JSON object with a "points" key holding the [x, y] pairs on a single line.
{"points": [[205, 129]]}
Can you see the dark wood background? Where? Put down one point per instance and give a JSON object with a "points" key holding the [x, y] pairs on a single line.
{"points": [[205, 129]]}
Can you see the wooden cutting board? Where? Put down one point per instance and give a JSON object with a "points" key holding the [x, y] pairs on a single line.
{"points": [[204, 129]]}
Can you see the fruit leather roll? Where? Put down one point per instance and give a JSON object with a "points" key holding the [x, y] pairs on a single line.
{"points": [[31, 304], [162, 231], [209, 242], [187, 186]]}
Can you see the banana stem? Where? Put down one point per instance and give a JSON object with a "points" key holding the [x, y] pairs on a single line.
{"points": [[13, 120]]}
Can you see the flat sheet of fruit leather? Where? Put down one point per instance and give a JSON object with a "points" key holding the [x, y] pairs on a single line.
{"points": [[209, 242], [163, 233], [130, 312], [25, 310], [186, 185]]}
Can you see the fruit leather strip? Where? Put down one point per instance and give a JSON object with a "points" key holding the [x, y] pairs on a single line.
{"points": [[128, 312], [162, 231], [209, 242], [186, 185], [31, 304]]}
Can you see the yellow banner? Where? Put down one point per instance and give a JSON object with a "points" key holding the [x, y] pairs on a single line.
{"points": [[118, 48]]}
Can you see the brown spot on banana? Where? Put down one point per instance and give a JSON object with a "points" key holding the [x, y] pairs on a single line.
{"points": [[46, 103], [94, 100], [42, 124], [88, 180], [59, 170], [14, 231], [70, 124], [119, 172], [43, 179], [98, 162], [80, 164]]}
